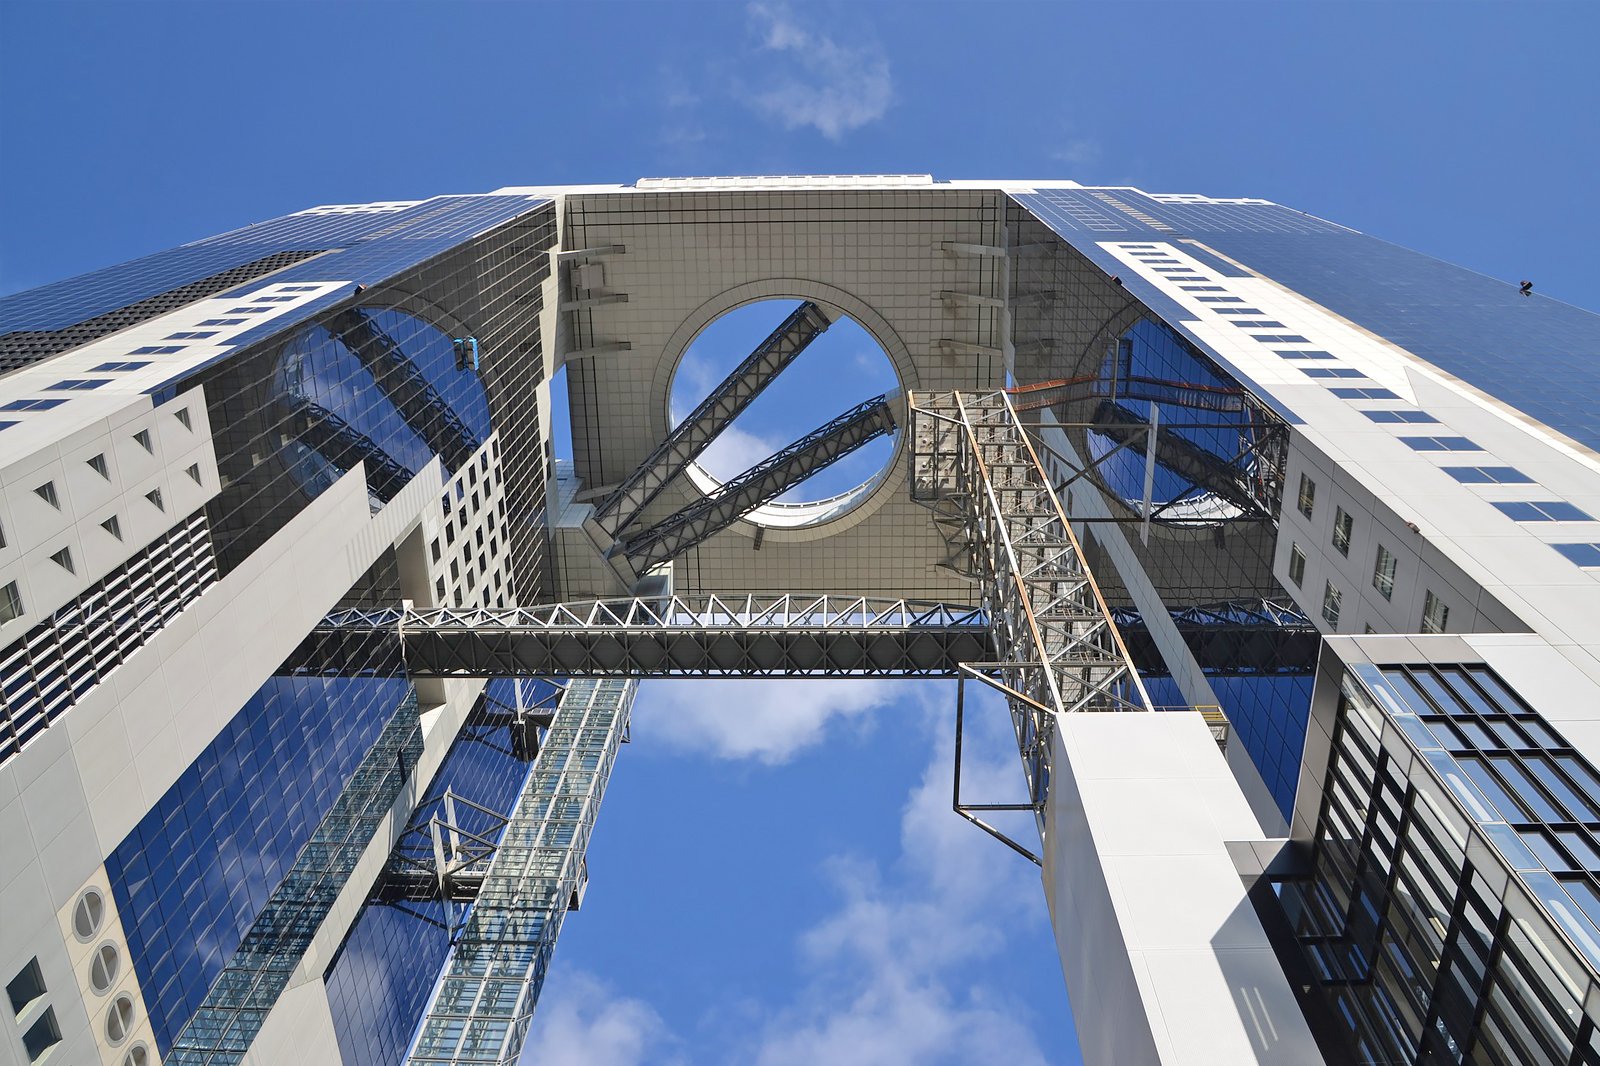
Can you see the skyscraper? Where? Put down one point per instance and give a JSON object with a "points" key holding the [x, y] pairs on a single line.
{"points": [[1278, 540]]}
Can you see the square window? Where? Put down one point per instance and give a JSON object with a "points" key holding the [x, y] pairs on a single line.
{"points": [[156, 349], [1308, 496], [191, 335], [1343, 525], [1297, 564], [1307, 353], [1488, 475], [1541, 511], [1280, 338], [42, 1035], [32, 405], [1400, 416], [118, 367], [1581, 554], [221, 322], [77, 384], [10, 602], [1383, 570], [1331, 372], [1363, 394], [1238, 310], [1435, 614], [26, 987], [1259, 324], [1332, 599], [1439, 444]]}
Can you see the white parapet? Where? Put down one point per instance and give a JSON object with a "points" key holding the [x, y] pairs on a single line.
{"points": [[1164, 957]]}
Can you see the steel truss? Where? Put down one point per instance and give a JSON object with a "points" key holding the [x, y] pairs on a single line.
{"points": [[726, 402], [483, 1004], [1231, 638], [765, 481], [1057, 649], [707, 636]]}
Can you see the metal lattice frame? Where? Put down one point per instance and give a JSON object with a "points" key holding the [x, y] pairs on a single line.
{"points": [[1057, 647], [485, 1000], [777, 635], [762, 483], [726, 402]]}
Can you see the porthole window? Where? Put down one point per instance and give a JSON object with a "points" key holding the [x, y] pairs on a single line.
{"points": [[119, 1019], [88, 914], [138, 1055], [103, 969]]}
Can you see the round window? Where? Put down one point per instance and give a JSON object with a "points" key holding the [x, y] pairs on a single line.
{"points": [[841, 368], [138, 1055], [88, 914], [103, 969], [119, 1019]]}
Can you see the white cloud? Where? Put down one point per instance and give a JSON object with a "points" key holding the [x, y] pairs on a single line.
{"points": [[1078, 152], [887, 974], [582, 1022], [735, 450], [768, 721], [834, 87]]}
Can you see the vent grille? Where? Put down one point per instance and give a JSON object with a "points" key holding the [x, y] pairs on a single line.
{"points": [[46, 672]]}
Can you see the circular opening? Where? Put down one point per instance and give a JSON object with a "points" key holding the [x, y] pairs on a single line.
{"points": [[88, 914], [119, 1019], [103, 970], [138, 1055], [841, 368]]}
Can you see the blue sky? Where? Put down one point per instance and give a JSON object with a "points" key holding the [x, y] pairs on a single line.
{"points": [[776, 876]]}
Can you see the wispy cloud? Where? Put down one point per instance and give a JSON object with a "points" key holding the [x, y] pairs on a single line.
{"points": [[767, 721], [583, 1022], [817, 81], [1077, 152]]}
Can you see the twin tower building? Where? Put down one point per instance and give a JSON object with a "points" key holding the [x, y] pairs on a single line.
{"points": [[1282, 544]]}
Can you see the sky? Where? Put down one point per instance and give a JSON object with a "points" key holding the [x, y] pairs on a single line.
{"points": [[776, 876]]}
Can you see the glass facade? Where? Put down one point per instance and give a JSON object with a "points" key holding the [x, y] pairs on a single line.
{"points": [[1450, 915], [193, 874]]}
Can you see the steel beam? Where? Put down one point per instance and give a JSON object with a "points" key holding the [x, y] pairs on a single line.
{"points": [[712, 636], [726, 402], [762, 483], [1233, 639], [1057, 647]]}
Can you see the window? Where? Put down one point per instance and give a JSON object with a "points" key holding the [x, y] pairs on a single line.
{"points": [[1332, 598], [63, 559], [77, 384], [113, 368], [1582, 554], [97, 463], [32, 405], [1307, 354], [1308, 495], [1364, 394], [1259, 323], [193, 470], [1435, 614], [247, 310], [103, 969], [119, 1020], [1343, 525], [1542, 511], [1203, 288], [1331, 372], [1400, 416], [26, 987], [191, 335], [1439, 444], [1221, 300], [1279, 338], [154, 496], [10, 602], [47, 493], [1238, 311], [1297, 564], [1488, 475], [182, 415], [143, 437], [222, 322], [42, 1035], [1383, 572], [112, 526]]}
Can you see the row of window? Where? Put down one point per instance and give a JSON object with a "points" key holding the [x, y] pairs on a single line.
{"points": [[1435, 612]]}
